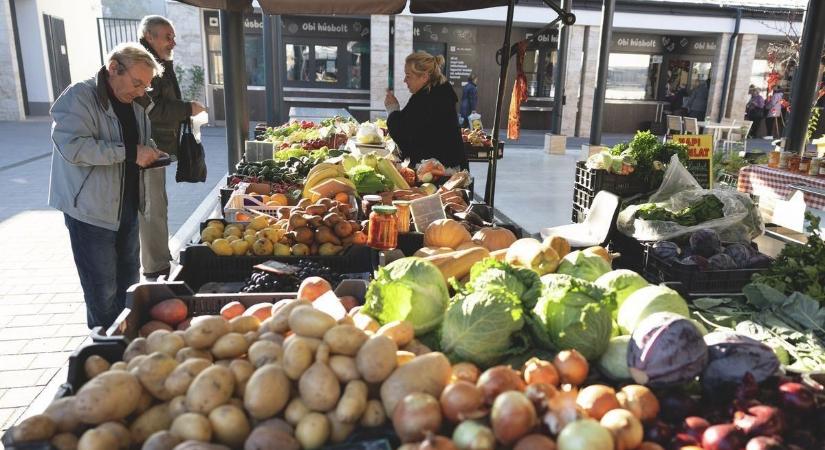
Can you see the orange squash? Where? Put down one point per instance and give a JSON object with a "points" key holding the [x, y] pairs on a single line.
{"points": [[559, 244], [445, 233], [494, 238]]}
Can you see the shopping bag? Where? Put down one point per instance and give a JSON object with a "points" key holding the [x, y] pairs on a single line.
{"points": [[191, 157]]}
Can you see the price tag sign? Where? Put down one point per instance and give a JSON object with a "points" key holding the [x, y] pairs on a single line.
{"points": [[426, 210], [700, 156]]}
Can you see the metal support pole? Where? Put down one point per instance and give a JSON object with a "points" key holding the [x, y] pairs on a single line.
{"points": [[804, 82], [281, 114], [269, 70], [490, 187], [723, 107], [605, 36], [560, 75], [234, 85]]}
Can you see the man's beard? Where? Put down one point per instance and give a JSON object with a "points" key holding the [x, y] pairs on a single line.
{"points": [[170, 55]]}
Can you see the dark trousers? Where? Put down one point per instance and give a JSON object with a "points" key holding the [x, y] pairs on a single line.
{"points": [[775, 126], [108, 262]]}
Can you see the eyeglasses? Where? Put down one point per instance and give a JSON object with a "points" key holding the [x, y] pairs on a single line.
{"points": [[136, 83]]}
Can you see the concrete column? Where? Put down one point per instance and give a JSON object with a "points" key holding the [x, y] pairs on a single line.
{"points": [[588, 80], [379, 61], [11, 94], [741, 79], [403, 47], [717, 75], [189, 51], [573, 79]]}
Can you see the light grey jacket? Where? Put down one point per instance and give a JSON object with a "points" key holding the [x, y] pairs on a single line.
{"points": [[88, 155]]}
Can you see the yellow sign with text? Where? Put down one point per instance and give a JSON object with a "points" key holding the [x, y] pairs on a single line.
{"points": [[700, 156]]}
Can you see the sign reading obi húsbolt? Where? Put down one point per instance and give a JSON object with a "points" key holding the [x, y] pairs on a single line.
{"points": [[327, 27], [651, 44], [700, 156], [252, 23]]}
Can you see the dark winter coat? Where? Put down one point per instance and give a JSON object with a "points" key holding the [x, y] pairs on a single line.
{"points": [[166, 110], [469, 99], [428, 127]]}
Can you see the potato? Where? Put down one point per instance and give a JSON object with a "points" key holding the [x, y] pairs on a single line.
{"points": [[203, 333], [172, 311], [374, 415], [400, 331], [179, 380], [120, 365], [415, 346], [62, 413], [365, 322], [353, 402], [95, 365], [135, 362], [339, 431], [39, 427], [184, 325], [273, 337], [295, 411], [165, 342], [270, 438], [229, 425], [264, 352], [267, 392], [251, 337], [192, 426], [189, 353], [111, 395], [346, 320], [243, 324], [309, 322], [319, 387], [298, 355], [428, 373], [232, 309], [260, 310], [279, 321], [161, 440], [230, 345], [152, 373], [120, 432], [177, 406], [403, 357], [144, 401], [345, 339], [156, 418], [312, 431], [135, 348], [64, 441], [97, 439], [322, 354], [211, 388], [376, 359], [198, 445], [344, 368], [278, 424], [152, 326], [242, 370]]}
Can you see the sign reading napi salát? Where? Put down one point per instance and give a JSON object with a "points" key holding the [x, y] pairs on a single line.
{"points": [[700, 156]]}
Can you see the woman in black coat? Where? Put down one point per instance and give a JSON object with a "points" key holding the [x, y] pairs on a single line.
{"points": [[428, 126]]}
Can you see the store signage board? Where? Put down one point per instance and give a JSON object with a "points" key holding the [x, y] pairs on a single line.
{"points": [[462, 61], [700, 156], [426, 210], [655, 44], [438, 32]]}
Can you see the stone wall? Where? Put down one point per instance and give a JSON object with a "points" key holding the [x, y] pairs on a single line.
{"points": [[11, 96], [379, 62], [717, 76], [403, 47], [588, 80], [572, 81], [741, 77], [189, 51]]}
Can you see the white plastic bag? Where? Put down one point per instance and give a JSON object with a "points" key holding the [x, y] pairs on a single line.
{"points": [[368, 133]]}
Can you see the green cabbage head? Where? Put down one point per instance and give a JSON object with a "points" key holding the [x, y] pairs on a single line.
{"points": [[649, 300], [410, 289], [585, 265], [622, 282]]}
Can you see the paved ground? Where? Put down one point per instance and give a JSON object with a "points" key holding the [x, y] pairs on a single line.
{"points": [[42, 315]]}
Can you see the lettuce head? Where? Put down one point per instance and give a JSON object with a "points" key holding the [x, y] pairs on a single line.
{"points": [[410, 289], [585, 265], [491, 274]]}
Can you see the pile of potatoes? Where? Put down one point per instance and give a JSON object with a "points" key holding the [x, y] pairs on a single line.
{"points": [[308, 375]]}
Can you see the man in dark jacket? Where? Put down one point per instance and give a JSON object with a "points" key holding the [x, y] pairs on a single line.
{"points": [[469, 100], [167, 111]]}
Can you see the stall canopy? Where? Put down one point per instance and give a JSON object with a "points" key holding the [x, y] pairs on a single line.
{"points": [[349, 7]]}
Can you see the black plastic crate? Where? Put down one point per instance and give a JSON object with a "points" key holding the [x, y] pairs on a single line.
{"points": [[602, 180]]}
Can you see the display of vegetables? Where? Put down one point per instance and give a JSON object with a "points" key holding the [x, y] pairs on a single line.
{"points": [[704, 250], [650, 155], [706, 209], [800, 268]]}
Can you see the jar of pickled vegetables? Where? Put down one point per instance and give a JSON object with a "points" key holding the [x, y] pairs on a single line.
{"points": [[793, 163], [383, 228], [403, 215]]}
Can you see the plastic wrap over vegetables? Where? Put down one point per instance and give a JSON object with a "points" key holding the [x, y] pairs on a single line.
{"points": [[666, 349], [731, 356]]}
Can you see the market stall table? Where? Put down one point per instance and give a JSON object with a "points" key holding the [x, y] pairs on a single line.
{"points": [[766, 181], [317, 114]]}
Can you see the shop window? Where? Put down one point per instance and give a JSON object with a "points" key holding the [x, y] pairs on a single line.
{"points": [[213, 44], [531, 72], [254, 56], [297, 62], [359, 65], [629, 77], [326, 63]]}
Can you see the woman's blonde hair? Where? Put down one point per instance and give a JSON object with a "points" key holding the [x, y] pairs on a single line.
{"points": [[423, 63]]}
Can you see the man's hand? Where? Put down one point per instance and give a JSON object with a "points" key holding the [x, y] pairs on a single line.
{"points": [[390, 102], [147, 155], [197, 108]]}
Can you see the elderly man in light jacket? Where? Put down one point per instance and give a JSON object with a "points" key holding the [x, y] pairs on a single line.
{"points": [[102, 141]]}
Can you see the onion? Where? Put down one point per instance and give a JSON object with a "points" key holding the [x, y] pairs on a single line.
{"points": [[640, 401], [723, 437], [585, 434], [461, 400], [433, 442], [540, 371], [539, 394], [471, 435], [597, 399], [465, 371], [572, 367], [535, 441], [512, 417], [626, 428], [695, 427], [415, 415], [796, 396], [764, 443], [760, 420], [650, 446], [562, 410], [498, 379]]}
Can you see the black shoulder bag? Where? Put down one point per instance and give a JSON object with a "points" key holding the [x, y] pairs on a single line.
{"points": [[191, 157]]}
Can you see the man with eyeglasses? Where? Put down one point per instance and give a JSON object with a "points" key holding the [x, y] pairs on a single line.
{"points": [[101, 140], [167, 111]]}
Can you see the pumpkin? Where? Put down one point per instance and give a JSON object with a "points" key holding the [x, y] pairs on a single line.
{"points": [[559, 244], [468, 245], [445, 233], [432, 251], [494, 238]]}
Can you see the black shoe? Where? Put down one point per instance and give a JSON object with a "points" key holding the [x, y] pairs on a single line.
{"points": [[156, 275]]}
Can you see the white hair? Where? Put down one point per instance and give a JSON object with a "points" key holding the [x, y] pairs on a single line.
{"points": [[130, 53], [148, 24]]}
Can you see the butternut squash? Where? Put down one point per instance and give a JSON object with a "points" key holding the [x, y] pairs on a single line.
{"points": [[458, 263], [499, 254], [432, 251]]}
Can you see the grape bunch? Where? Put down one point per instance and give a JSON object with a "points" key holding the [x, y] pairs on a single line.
{"points": [[262, 281]]}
